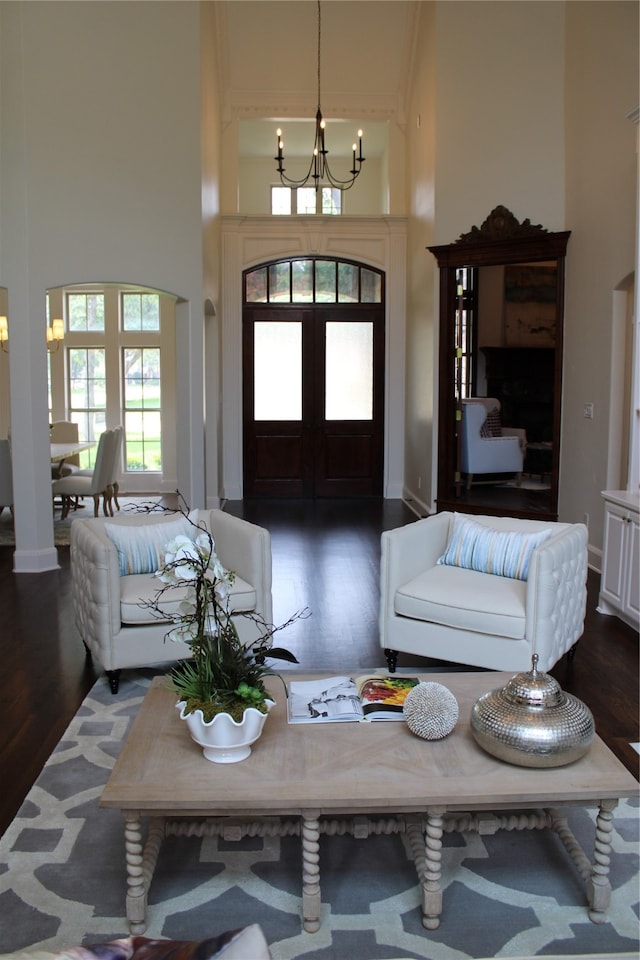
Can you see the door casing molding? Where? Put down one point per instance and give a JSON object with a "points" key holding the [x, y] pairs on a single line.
{"points": [[373, 241]]}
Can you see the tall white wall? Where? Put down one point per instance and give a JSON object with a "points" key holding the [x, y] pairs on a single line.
{"points": [[548, 137], [422, 356], [499, 136], [601, 203], [485, 127], [100, 177], [5, 402], [211, 247]]}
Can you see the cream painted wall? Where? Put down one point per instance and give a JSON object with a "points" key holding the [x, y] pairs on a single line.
{"points": [[100, 171], [421, 359], [211, 248], [499, 135], [491, 114], [5, 403], [601, 203]]}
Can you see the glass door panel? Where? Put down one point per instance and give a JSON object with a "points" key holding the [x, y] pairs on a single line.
{"points": [[278, 370], [349, 370]]}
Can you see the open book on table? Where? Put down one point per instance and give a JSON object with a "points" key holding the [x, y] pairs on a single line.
{"points": [[348, 698]]}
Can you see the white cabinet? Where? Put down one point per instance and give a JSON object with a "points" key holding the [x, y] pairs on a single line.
{"points": [[620, 581]]}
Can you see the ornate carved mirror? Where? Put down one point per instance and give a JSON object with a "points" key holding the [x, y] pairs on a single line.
{"points": [[501, 332]]}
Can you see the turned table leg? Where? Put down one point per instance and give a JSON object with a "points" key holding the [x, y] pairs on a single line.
{"points": [[598, 885], [311, 899], [431, 889], [136, 885]]}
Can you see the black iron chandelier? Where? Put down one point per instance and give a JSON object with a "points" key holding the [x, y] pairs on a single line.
{"points": [[319, 171]]}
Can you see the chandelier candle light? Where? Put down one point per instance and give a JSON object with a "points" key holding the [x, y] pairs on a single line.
{"points": [[319, 170]]}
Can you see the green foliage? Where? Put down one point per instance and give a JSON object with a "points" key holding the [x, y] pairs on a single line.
{"points": [[225, 676]]}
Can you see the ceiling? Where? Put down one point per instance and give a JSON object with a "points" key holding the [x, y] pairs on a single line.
{"points": [[268, 54]]}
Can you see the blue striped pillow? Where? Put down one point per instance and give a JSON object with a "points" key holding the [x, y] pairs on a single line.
{"points": [[141, 547], [504, 553]]}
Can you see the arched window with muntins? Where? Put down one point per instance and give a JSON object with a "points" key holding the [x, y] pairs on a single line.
{"points": [[313, 280]]}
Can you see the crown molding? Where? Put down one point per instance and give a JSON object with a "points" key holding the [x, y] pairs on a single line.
{"points": [[251, 105]]}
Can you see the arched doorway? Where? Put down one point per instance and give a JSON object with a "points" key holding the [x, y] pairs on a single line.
{"points": [[313, 379]]}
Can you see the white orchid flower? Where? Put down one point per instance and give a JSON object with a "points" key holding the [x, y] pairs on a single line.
{"points": [[184, 632], [194, 566], [186, 608], [204, 545]]}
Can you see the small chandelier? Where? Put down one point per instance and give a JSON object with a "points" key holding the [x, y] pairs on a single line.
{"points": [[319, 171]]}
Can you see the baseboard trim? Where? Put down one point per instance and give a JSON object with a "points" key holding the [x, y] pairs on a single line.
{"points": [[415, 504], [35, 561]]}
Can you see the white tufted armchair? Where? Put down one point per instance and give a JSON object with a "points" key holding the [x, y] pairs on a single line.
{"points": [[488, 451], [116, 626], [466, 616]]}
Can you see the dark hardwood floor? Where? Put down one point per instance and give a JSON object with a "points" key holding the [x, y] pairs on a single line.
{"points": [[326, 558]]}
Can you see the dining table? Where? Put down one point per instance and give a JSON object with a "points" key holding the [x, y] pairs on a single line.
{"points": [[62, 451]]}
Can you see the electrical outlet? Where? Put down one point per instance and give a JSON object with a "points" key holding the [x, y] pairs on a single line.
{"points": [[588, 411], [419, 482]]}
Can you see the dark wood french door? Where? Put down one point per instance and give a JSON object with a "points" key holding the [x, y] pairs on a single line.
{"points": [[313, 396]]}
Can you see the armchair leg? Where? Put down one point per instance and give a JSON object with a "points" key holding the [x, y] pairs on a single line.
{"points": [[113, 676], [392, 659]]}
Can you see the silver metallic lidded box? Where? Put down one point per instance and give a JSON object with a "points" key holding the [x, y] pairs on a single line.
{"points": [[532, 722]]}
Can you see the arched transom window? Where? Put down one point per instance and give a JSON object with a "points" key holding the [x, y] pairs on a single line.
{"points": [[312, 280]]}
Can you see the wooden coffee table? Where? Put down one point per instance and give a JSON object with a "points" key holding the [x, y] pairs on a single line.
{"points": [[364, 778]]}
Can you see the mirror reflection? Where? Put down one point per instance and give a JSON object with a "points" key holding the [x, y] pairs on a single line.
{"points": [[500, 367]]}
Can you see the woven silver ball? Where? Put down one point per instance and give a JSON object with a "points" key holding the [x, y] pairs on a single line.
{"points": [[431, 711]]}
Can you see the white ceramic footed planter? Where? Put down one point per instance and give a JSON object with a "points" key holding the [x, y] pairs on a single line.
{"points": [[223, 739]]}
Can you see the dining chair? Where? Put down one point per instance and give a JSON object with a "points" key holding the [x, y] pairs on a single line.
{"points": [[116, 464], [96, 483], [113, 485], [64, 431]]}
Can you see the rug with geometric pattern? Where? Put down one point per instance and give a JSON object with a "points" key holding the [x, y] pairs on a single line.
{"points": [[62, 875]]}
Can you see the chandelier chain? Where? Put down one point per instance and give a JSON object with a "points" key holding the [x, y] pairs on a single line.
{"points": [[319, 48], [319, 171]]}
